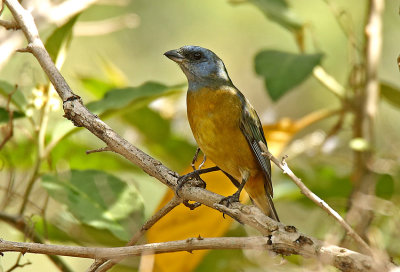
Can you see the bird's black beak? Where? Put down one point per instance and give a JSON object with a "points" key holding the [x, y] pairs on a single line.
{"points": [[174, 55]]}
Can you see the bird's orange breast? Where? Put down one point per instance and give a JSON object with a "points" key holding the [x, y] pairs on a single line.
{"points": [[214, 117]]}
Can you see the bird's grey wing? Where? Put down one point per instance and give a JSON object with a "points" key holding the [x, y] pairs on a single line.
{"points": [[251, 127]]}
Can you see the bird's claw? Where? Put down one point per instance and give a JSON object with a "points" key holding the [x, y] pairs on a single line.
{"points": [[191, 206], [229, 200], [185, 178]]}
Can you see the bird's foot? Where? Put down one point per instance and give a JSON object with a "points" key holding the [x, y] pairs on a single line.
{"points": [[190, 176], [229, 200], [182, 180]]}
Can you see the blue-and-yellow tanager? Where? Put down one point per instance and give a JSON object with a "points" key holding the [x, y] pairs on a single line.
{"points": [[225, 125]]}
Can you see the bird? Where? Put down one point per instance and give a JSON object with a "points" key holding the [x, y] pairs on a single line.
{"points": [[225, 125]]}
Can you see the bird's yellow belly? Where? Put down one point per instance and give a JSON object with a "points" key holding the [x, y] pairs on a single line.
{"points": [[214, 120]]}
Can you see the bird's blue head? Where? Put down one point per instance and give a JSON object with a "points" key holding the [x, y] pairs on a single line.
{"points": [[200, 65]]}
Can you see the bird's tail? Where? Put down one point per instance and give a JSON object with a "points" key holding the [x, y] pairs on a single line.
{"points": [[255, 188]]}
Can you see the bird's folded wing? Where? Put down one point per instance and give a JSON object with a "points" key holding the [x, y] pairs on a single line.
{"points": [[251, 127]]}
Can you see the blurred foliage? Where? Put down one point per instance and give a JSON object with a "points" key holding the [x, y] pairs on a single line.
{"points": [[101, 199], [5, 115], [226, 260], [131, 97], [282, 71], [159, 138], [98, 199], [391, 94], [17, 99], [385, 187], [280, 12], [60, 38]]}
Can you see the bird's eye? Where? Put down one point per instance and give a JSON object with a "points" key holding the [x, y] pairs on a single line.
{"points": [[197, 56]]}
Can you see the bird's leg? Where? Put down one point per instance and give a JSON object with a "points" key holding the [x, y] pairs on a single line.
{"points": [[228, 200], [202, 162], [183, 179], [195, 174], [195, 158], [232, 179]]}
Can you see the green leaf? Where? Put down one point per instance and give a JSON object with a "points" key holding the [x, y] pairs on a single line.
{"points": [[60, 38], [132, 97], [73, 152], [385, 186], [17, 99], [4, 115], [150, 123], [22, 154], [174, 149], [95, 86], [286, 190], [283, 71], [279, 12], [390, 93], [326, 183], [98, 199], [49, 230]]}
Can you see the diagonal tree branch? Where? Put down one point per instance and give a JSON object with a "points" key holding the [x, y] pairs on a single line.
{"points": [[281, 239]]}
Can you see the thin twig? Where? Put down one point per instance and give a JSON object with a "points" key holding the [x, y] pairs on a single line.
{"points": [[40, 143], [314, 117], [11, 25], [24, 50], [347, 28], [101, 264], [9, 129], [8, 189], [373, 31], [14, 193], [54, 142], [307, 192], [102, 149], [329, 82], [18, 264], [2, 8], [31, 181]]}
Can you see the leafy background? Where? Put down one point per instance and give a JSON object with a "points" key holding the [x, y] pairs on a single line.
{"points": [[101, 200]]}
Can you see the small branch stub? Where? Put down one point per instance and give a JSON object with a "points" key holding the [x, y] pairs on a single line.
{"points": [[106, 148], [9, 25]]}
